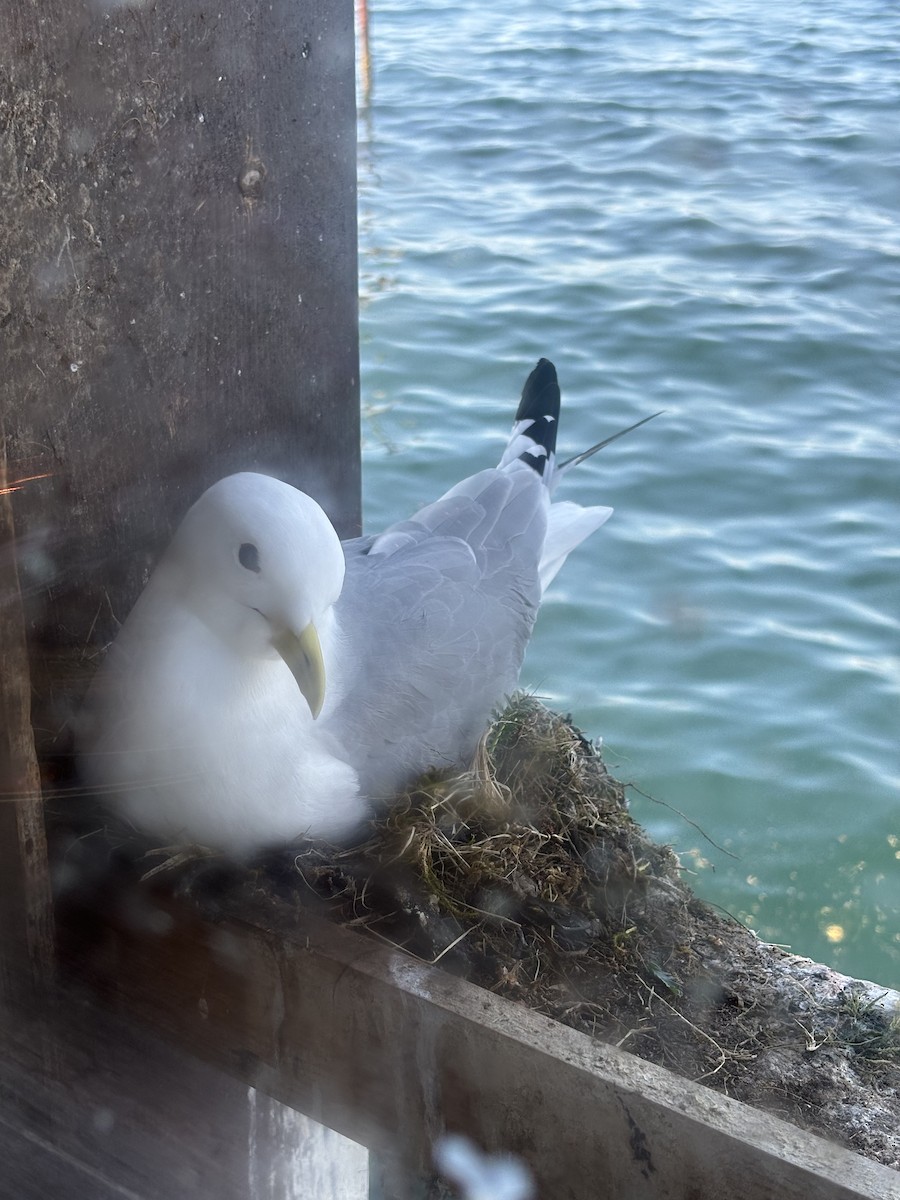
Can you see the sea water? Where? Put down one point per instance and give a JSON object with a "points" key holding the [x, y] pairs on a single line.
{"points": [[693, 207]]}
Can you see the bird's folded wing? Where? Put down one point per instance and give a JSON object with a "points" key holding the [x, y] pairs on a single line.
{"points": [[434, 618]]}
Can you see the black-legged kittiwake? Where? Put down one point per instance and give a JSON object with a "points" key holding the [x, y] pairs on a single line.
{"points": [[272, 682]]}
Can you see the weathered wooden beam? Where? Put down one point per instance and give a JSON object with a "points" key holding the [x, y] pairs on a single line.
{"points": [[392, 1052], [26, 919], [118, 1112]]}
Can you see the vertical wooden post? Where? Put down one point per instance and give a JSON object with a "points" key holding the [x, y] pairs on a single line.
{"points": [[26, 925]]}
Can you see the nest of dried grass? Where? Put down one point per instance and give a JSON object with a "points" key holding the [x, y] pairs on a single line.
{"points": [[525, 875]]}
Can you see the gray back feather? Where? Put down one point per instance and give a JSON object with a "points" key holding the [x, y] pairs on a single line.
{"points": [[440, 609]]}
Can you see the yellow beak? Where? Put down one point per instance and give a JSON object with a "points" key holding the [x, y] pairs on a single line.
{"points": [[303, 655]]}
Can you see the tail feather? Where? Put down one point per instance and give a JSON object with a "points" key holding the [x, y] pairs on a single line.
{"points": [[568, 525]]}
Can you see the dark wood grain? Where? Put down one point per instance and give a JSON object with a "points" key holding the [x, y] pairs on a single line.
{"points": [[26, 915], [93, 1106]]}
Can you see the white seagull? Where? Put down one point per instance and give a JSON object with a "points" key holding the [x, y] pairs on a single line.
{"points": [[273, 683]]}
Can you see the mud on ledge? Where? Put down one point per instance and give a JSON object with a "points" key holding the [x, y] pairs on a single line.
{"points": [[529, 878]]}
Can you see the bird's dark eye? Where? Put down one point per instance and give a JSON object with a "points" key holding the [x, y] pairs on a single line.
{"points": [[248, 556]]}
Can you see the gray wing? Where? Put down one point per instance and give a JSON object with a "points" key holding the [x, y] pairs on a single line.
{"points": [[435, 616]]}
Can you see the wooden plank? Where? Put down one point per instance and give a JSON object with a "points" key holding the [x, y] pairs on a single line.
{"points": [[121, 1113], [33, 1170], [392, 1052], [26, 921], [119, 1107]]}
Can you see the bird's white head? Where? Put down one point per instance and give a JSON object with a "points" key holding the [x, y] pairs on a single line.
{"points": [[260, 563]]}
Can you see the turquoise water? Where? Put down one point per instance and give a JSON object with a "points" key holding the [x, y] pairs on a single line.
{"points": [[692, 207]]}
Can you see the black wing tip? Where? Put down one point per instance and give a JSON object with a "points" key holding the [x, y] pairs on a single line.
{"points": [[540, 404], [540, 395]]}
